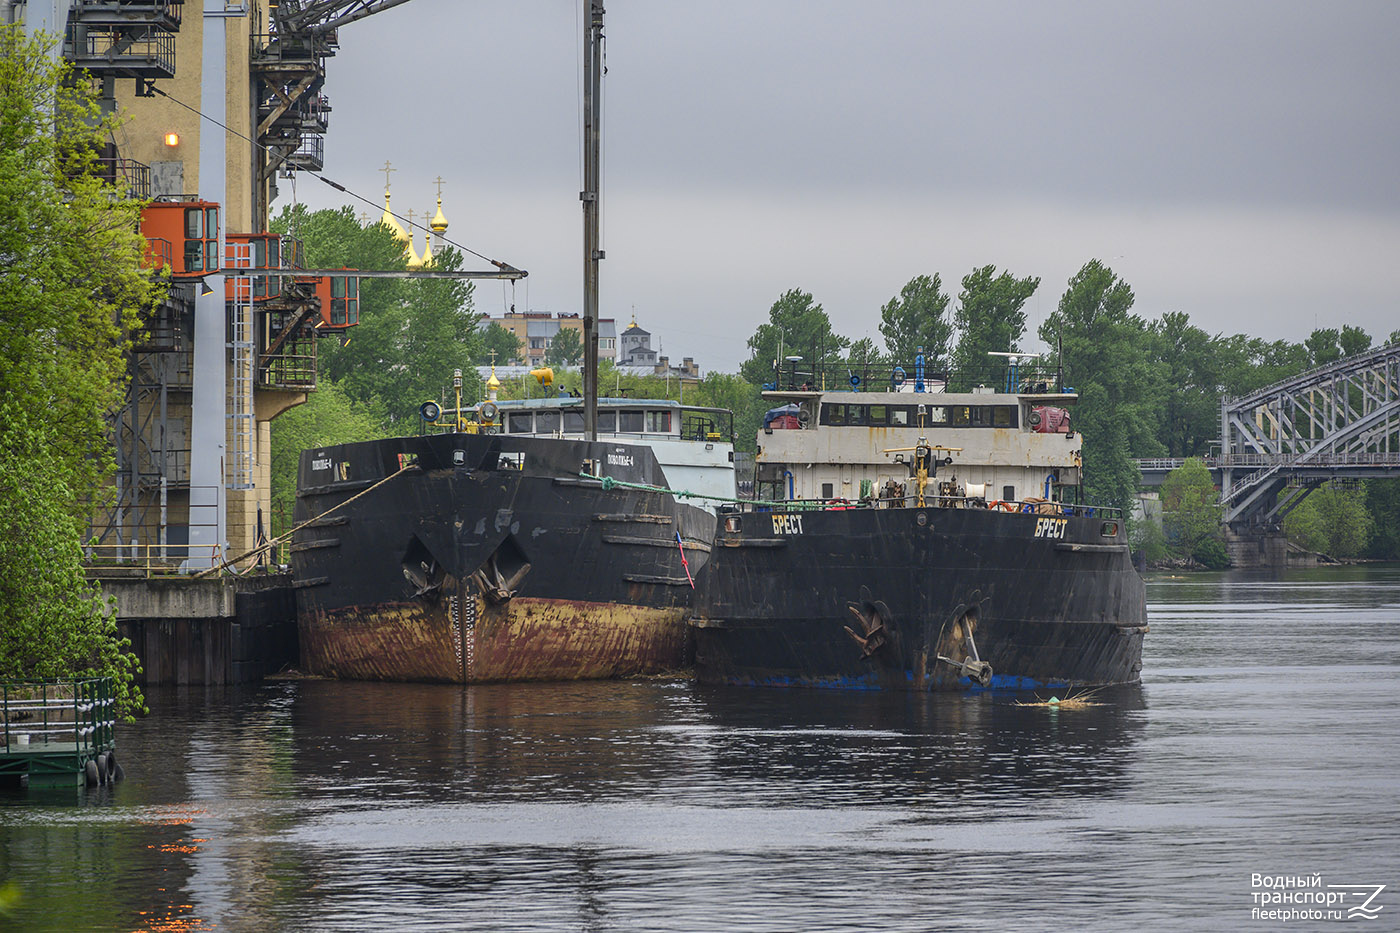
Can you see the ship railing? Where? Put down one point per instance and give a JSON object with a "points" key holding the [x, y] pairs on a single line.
{"points": [[800, 375], [80, 713], [1026, 506]]}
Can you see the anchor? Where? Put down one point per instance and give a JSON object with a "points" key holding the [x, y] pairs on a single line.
{"points": [[494, 584], [872, 615], [972, 667]]}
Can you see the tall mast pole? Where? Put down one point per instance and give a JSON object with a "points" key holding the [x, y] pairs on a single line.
{"points": [[592, 124]]}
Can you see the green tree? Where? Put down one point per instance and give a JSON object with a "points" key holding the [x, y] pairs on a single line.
{"points": [[1323, 346], [1353, 340], [499, 346], [989, 319], [1383, 507], [1190, 508], [797, 326], [566, 349], [1106, 354], [327, 417], [72, 291], [917, 318], [1330, 521], [1191, 416], [412, 334]]}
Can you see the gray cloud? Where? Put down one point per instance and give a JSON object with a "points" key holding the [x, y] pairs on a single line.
{"points": [[1235, 161]]}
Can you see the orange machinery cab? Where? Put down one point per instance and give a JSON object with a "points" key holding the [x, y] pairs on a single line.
{"points": [[264, 252], [340, 301], [182, 236]]}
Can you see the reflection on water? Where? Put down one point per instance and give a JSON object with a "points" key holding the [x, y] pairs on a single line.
{"points": [[1262, 740]]}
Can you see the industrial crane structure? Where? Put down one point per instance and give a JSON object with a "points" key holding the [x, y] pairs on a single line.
{"points": [[234, 343]]}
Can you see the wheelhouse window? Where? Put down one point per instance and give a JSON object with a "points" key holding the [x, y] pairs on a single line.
{"points": [[659, 422], [546, 422], [607, 422], [630, 422], [520, 422], [834, 414], [573, 422], [1004, 416]]}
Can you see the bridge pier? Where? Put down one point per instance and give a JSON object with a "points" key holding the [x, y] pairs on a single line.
{"points": [[1261, 548]]}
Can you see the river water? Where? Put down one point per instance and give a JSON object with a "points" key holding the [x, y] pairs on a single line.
{"points": [[1263, 740]]}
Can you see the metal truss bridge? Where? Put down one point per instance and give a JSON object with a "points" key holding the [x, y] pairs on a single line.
{"points": [[1337, 422]]}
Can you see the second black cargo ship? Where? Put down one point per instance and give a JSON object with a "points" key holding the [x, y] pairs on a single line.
{"points": [[922, 541]]}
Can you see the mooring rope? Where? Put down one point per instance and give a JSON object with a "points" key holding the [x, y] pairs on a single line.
{"points": [[268, 545]]}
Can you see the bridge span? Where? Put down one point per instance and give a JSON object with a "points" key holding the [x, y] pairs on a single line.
{"points": [[1339, 421]]}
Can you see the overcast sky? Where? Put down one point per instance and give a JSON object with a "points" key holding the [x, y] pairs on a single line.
{"points": [[1236, 161]]}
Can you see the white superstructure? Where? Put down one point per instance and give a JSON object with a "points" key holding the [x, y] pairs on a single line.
{"points": [[694, 446], [861, 445]]}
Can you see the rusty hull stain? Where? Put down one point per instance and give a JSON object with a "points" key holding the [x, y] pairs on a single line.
{"points": [[521, 639]]}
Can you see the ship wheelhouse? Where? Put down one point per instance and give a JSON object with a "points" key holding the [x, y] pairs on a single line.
{"points": [[693, 445], [981, 447]]}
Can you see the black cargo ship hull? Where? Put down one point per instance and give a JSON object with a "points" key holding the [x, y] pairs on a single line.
{"points": [[1049, 600], [475, 558]]}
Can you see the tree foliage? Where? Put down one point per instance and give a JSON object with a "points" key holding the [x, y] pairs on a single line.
{"points": [[566, 349], [328, 417], [72, 292], [1383, 507], [917, 319], [1330, 521], [1190, 508], [797, 326], [412, 334], [1104, 350], [499, 346], [989, 319]]}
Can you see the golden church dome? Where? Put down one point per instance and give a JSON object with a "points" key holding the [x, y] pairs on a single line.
{"points": [[439, 221], [392, 222]]}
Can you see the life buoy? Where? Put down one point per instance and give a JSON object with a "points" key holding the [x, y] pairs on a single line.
{"points": [[1003, 506]]}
